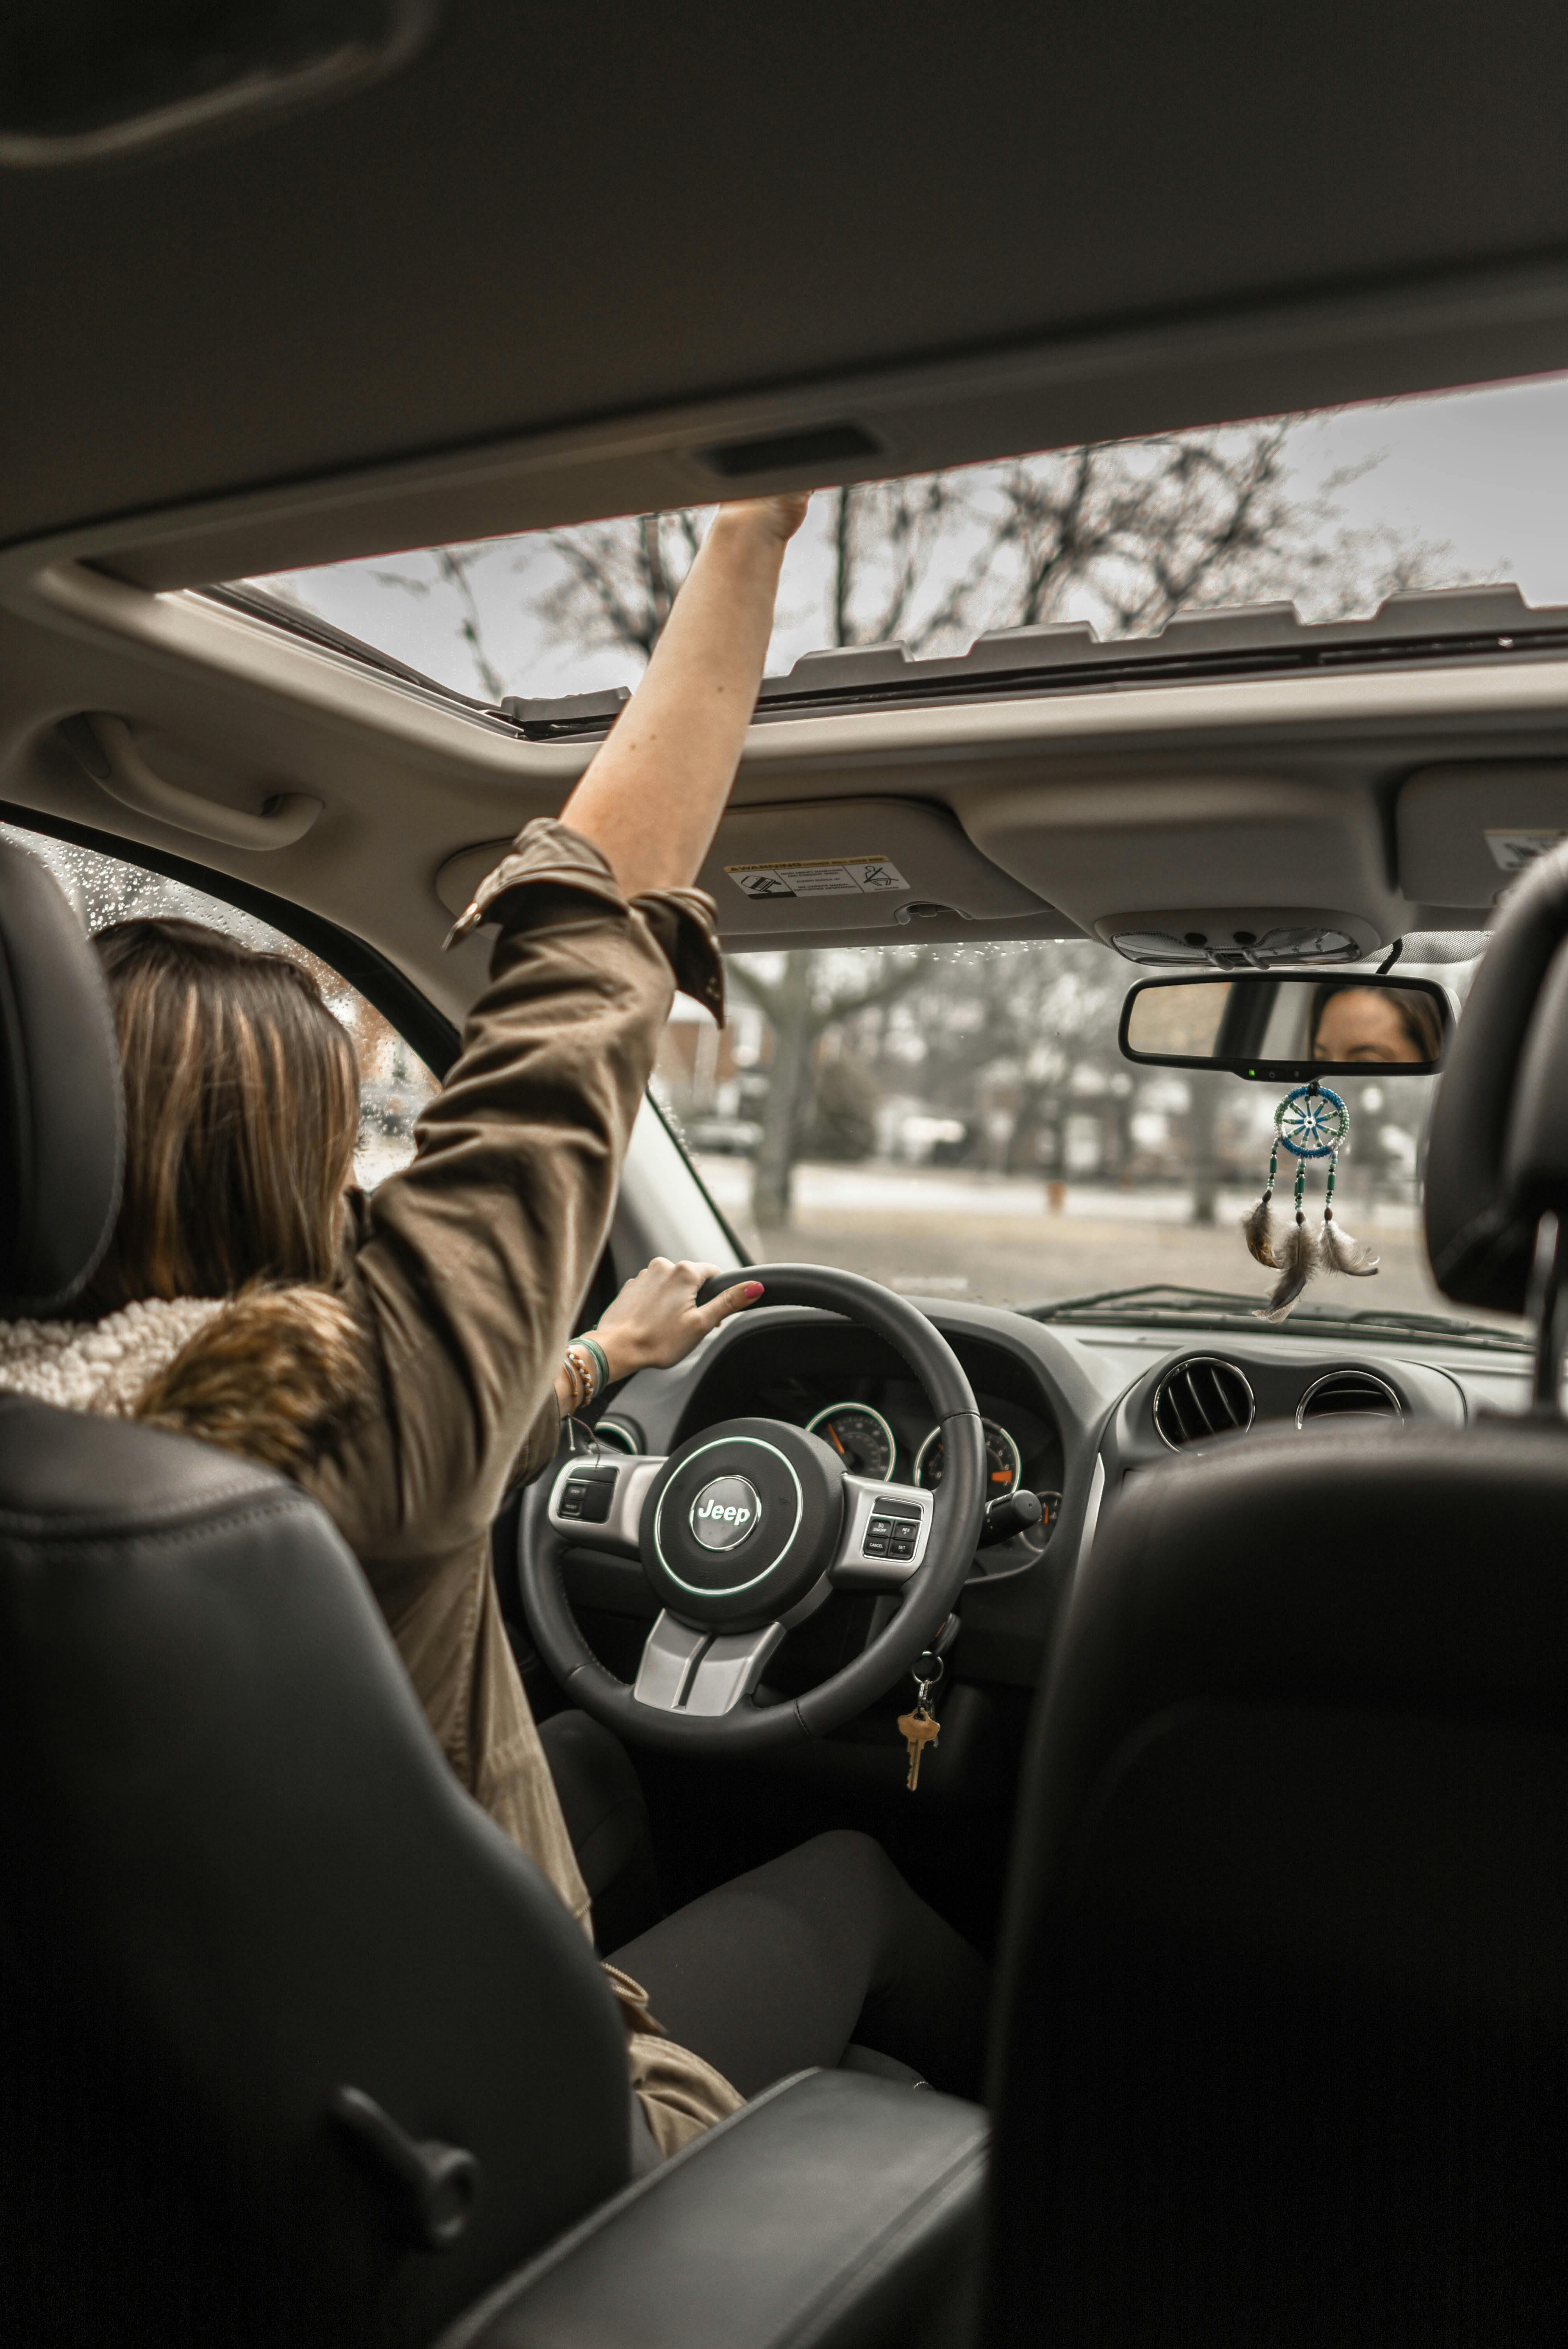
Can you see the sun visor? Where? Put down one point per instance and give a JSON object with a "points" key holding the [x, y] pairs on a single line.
{"points": [[826, 868], [1465, 830], [851, 864], [1226, 854]]}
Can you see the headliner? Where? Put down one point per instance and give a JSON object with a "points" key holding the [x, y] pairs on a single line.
{"points": [[976, 232]]}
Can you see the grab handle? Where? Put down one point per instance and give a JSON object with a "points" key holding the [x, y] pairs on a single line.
{"points": [[120, 769]]}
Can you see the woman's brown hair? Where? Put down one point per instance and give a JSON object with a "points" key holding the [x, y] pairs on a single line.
{"points": [[242, 1108]]}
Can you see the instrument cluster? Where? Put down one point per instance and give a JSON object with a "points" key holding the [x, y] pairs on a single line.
{"points": [[890, 1443], [867, 1444], [853, 1393]]}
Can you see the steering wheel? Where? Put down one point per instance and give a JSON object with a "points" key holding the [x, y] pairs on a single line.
{"points": [[743, 1531]]}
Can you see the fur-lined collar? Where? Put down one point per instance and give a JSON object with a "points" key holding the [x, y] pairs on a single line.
{"points": [[277, 1375]]}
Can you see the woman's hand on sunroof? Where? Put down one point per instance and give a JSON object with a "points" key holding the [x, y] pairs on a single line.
{"points": [[783, 513]]}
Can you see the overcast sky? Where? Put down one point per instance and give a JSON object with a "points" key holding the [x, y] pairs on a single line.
{"points": [[1486, 470], [1482, 473]]}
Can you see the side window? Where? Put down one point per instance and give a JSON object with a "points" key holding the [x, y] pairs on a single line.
{"points": [[394, 1082]]}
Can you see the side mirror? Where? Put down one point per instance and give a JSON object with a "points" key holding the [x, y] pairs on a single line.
{"points": [[1284, 1030]]}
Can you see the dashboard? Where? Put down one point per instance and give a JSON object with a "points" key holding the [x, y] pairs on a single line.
{"points": [[852, 1389], [1073, 1413]]}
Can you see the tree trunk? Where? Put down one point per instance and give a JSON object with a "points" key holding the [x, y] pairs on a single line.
{"points": [[1203, 1134], [1020, 1153], [789, 1091]]}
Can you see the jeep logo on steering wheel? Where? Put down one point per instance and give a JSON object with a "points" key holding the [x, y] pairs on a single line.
{"points": [[725, 1512]]}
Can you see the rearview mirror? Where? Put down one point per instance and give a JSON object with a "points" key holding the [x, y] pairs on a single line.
{"points": [[1288, 1029]]}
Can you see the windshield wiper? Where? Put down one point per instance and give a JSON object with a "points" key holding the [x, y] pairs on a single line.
{"points": [[1153, 1299], [1447, 1326], [1164, 1303]]}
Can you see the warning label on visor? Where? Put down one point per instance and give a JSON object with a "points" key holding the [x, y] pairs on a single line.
{"points": [[1512, 851], [849, 877]]}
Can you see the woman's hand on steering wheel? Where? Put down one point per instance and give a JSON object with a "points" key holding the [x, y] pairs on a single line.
{"points": [[656, 1320]]}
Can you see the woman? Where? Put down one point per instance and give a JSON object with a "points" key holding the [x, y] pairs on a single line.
{"points": [[1386, 1026], [406, 1358]]}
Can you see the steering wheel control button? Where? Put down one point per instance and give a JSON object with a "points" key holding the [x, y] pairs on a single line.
{"points": [[588, 1496], [885, 1533], [894, 1530], [740, 1526], [725, 1513]]}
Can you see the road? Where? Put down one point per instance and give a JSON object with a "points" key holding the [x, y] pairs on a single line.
{"points": [[935, 1231]]}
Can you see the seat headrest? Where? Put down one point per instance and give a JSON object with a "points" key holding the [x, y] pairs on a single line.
{"points": [[60, 1125], [1498, 1156]]}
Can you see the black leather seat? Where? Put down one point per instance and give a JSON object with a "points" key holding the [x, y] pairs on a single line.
{"points": [[1284, 2056], [295, 2045]]}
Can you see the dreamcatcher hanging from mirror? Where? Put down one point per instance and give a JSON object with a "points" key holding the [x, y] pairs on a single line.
{"points": [[1312, 1122]]}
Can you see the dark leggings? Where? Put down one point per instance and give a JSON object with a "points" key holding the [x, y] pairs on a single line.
{"points": [[782, 1968], [785, 1967]]}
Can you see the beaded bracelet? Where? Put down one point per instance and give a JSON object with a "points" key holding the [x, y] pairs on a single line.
{"points": [[580, 1375], [583, 1367], [601, 1357]]}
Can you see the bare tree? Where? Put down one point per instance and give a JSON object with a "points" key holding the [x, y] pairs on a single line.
{"points": [[1131, 532], [1126, 533], [1023, 1018], [454, 568], [620, 579], [887, 540], [799, 1005], [1152, 527]]}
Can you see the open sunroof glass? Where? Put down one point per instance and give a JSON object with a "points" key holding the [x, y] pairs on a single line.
{"points": [[1318, 538]]}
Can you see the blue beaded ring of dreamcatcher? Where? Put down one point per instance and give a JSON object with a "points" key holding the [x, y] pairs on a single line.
{"points": [[1311, 1122]]}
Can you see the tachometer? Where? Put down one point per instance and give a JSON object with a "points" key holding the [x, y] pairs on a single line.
{"points": [[860, 1436], [1003, 1463]]}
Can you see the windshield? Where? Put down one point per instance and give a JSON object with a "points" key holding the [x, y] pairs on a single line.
{"points": [[959, 1122], [1333, 513]]}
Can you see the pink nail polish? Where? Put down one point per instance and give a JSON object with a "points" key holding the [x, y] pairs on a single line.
{"points": [[751, 1288]]}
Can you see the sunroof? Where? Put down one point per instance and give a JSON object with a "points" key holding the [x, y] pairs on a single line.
{"points": [[1331, 513]]}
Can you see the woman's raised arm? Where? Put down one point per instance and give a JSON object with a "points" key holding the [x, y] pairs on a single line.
{"points": [[652, 798], [473, 1260]]}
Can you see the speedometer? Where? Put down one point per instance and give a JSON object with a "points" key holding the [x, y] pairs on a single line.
{"points": [[1003, 1462], [860, 1435]]}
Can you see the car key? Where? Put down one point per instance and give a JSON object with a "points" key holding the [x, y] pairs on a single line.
{"points": [[920, 1729]]}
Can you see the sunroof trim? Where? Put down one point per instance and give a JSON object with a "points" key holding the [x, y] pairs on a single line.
{"points": [[274, 612], [1449, 623], [1435, 628]]}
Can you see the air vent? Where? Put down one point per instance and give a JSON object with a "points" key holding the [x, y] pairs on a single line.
{"points": [[1201, 1397], [1348, 1394]]}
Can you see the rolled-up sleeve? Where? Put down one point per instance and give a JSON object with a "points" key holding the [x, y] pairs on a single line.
{"points": [[473, 1260]]}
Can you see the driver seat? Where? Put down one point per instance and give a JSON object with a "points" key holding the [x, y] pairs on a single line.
{"points": [[1284, 2054], [295, 2045]]}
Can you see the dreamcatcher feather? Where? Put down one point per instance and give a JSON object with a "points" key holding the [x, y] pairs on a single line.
{"points": [[1343, 1254], [1297, 1259], [1257, 1229]]}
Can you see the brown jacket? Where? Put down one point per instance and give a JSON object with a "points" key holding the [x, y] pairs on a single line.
{"points": [[467, 1270]]}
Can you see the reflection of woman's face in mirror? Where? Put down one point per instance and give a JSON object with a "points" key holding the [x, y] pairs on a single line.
{"points": [[1364, 1023]]}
